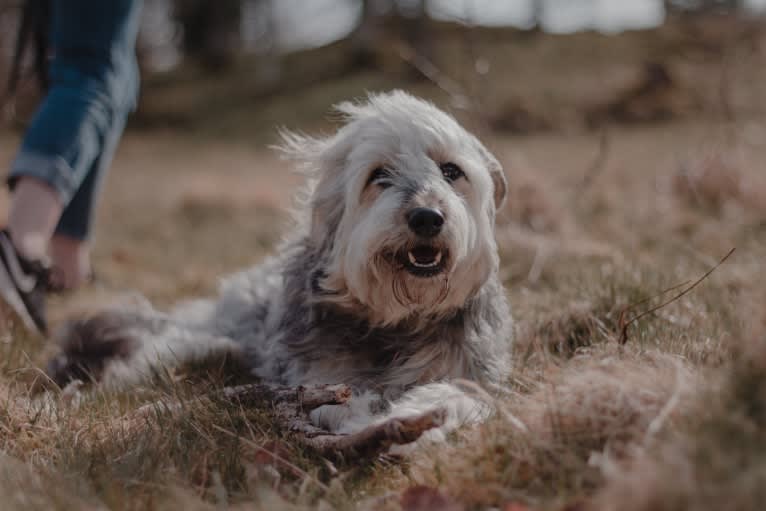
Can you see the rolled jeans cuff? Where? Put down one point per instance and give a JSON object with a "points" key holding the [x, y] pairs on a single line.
{"points": [[51, 169]]}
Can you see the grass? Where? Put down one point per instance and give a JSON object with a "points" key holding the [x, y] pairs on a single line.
{"points": [[674, 419]]}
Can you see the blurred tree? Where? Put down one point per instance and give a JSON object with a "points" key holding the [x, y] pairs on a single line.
{"points": [[9, 13], [260, 29], [538, 11], [381, 20], [414, 25], [366, 36], [211, 30]]}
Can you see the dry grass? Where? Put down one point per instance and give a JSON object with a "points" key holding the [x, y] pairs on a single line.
{"points": [[714, 458], [581, 415], [672, 420], [719, 179], [552, 438], [710, 181], [531, 203], [570, 331]]}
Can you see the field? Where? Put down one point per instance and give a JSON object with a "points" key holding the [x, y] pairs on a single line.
{"points": [[664, 412]]}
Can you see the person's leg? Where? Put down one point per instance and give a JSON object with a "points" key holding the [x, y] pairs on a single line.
{"points": [[70, 261], [70, 245], [94, 81]]}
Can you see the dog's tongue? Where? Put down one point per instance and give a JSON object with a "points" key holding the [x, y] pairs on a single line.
{"points": [[424, 254]]}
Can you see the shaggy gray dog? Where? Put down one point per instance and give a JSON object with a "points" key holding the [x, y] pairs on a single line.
{"points": [[389, 282]]}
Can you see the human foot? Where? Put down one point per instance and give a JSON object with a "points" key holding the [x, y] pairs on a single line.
{"points": [[23, 284]]}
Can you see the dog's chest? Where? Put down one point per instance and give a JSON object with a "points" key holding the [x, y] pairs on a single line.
{"points": [[378, 358]]}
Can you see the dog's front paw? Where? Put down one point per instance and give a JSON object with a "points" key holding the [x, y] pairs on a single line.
{"points": [[350, 417], [89, 345]]}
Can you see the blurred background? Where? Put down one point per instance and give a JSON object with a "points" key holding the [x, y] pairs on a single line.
{"points": [[235, 68], [619, 122]]}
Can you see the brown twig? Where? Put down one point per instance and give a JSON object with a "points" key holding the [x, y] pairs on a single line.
{"points": [[650, 298], [307, 398], [624, 325]]}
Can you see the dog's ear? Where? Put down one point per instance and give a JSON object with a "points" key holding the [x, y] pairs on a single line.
{"points": [[322, 161], [499, 183]]}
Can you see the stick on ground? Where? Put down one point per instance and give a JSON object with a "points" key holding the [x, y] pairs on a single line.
{"points": [[625, 324]]}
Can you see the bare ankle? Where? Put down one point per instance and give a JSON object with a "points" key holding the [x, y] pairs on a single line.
{"points": [[71, 259]]}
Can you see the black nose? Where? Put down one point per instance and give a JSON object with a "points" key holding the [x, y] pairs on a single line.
{"points": [[425, 222]]}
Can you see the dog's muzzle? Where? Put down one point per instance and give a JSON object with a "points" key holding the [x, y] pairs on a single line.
{"points": [[425, 258]]}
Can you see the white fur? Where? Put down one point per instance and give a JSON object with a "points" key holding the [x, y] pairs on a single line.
{"points": [[411, 137]]}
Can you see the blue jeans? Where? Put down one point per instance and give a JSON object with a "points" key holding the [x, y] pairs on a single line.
{"points": [[93, 87]]}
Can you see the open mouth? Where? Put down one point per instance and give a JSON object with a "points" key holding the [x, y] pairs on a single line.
{"points": [[423, 260]]}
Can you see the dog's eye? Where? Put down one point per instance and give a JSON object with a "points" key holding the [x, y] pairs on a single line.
{"points": [[451, 171], [381, 176]]}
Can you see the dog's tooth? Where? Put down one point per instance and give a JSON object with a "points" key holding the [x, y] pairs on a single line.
{"points": [[414, 261]]}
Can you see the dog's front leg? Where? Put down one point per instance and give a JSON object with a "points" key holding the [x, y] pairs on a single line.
{"points": [[359, 412], [459, 407], [368, 411]]}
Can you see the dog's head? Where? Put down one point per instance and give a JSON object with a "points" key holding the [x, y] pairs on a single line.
{"points": [[402, 209]]}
